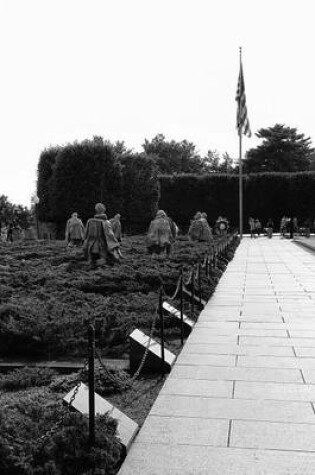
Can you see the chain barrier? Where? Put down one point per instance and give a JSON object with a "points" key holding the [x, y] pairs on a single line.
{"points": [[189, 280], [142, 362], [196, 273], [192, 274], [42, 439], [205, 261], [136, 374], [176, 291], [112, 378], [186, 281]]}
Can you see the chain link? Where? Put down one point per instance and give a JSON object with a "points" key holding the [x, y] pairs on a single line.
{"points": [[60, 421], [205, 261], [42, 439], [176, 291], [75, 392], [136, 374], [142, 362], [196, 272], [106, 370], [188, 281]]}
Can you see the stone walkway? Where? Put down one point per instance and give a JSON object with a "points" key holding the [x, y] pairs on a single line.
{"points": [[240, 398]]}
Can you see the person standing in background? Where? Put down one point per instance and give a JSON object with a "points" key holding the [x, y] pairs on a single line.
{"points": [[74, 231]]}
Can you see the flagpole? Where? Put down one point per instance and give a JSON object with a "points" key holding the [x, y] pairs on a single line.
{"points": [[240, 168], [240, 171]]}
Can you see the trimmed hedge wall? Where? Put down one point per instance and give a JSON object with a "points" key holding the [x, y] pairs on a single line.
{"points": [[265, 195], [77, 176]]}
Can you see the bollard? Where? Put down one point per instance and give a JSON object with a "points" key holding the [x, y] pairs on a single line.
{"points": [[291, 228], [199, 282], [214, 256], [192, 301], [91, 335], [207, 265], [181, 308], [161, 314]]}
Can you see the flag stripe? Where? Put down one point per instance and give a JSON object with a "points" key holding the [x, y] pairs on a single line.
{"points": [[242, 122]]}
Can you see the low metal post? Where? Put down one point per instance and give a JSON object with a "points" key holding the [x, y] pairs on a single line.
{"points": [[37, 223], [199, 282], [291, 228], [192, 301], [91, 335], [161, 314], [181, 308]]}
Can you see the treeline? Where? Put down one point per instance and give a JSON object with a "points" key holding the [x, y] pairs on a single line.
{"points": [[77, 176], [13, 214], [266, 195]]}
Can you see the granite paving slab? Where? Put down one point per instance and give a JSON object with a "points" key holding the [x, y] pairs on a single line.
{"points": [[279, 391], [305, 352], [245, 409], [207, 360], [185, 430], [309, 375], [158, 459], [275, 341], [240, 399], [228, 349], [201, 387], [238, 374], [273, 435], [275, 362]]}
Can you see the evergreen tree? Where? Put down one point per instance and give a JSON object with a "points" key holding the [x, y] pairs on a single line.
{"points": [[214, 163], [283, 150], [173, 157]]}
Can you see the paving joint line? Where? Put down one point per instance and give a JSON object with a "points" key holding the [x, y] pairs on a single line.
{"points": [[229, 433]]}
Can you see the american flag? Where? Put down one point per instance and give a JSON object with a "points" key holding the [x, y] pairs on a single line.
{"points": [[242, 122]]}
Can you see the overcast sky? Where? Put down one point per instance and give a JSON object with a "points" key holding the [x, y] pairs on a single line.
{"points": [[130, 69]]}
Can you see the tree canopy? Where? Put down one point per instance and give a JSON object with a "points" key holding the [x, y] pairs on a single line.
{"points": [[213, 162], [283, 150], [173, 157], [11, 213]]}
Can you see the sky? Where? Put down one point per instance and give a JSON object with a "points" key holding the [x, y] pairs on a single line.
{"points": [[131, 69]]}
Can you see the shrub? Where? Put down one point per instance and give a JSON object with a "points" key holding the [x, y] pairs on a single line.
{"points": [[25, 378], [39, 436]]}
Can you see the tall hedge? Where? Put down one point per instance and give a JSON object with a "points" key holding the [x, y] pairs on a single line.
{"points": [[45, 171], [183, 195], [77, 176], [140, 190], [266, 195], [86, 173]]}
